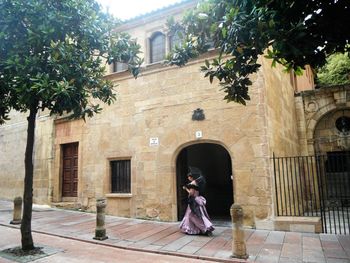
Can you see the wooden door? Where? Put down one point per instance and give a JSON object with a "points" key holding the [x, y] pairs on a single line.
{"points": [[181, 180], [70, 170]]}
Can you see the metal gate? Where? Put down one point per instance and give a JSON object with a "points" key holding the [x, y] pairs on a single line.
{"points": [[315, 186]]}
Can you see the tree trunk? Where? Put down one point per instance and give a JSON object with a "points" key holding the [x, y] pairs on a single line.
{"points": [[26, 226]]}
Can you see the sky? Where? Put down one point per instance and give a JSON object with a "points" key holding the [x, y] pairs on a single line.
{"points": [[125, 9]]}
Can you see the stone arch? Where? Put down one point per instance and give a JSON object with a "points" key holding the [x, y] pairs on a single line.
{"points": [[312, 123], [215, 161], [327, 137], [184, 145], [316, 118]]}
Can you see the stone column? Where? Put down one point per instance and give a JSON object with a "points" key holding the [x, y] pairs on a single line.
{"points": [[100, 232], [17, 211], [239, 249]]}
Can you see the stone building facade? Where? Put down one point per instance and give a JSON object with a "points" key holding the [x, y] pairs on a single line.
{"points": [[137, 151]]}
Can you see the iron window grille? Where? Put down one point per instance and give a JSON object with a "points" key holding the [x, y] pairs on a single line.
{"points": [[157, 47], [120, 176]]}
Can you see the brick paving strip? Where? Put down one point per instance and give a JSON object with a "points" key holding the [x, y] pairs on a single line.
{"points": [[164, 238]]}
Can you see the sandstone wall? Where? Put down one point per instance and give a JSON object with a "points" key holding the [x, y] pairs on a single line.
{"points": [[13, 136], [282, 122], [160, 104], [281, 112]]}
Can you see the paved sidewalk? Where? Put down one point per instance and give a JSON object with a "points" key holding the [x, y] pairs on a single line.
{"points": [[63, 250], [165, 239]]}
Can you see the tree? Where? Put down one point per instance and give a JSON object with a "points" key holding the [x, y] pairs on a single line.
{"points": [[336, 71], [53, 56], [291, 33]]}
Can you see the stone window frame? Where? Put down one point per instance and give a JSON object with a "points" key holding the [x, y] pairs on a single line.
{"points": [[175, 36], [148, 44], [119, 67], [153, 58]]}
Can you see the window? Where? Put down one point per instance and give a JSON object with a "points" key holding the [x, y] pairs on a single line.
{"points": [[119, 67], [120, 176], [343, 124], [210, 43], [176, 39], [157, 47]]}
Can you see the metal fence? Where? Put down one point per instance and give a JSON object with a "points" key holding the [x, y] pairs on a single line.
{"points": [[315, 186]]}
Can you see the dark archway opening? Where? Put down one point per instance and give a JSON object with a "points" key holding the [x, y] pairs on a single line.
{"points": [[215, 163]]}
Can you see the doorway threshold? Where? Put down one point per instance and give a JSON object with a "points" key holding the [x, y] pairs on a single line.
{"points": [[224, 222]]}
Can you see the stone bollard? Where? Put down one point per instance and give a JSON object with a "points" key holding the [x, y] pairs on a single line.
{"points": [[239, 249], [100, 232], [17, 211]]}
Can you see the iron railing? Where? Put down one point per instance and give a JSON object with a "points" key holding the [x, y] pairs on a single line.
{"points": [[315, 186]]}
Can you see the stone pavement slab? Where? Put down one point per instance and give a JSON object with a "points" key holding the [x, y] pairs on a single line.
{"points": [[162, 238]]}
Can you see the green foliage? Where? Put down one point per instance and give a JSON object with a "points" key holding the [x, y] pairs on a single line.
{"points": [[293, 33], [53, 56], [336, 71]]}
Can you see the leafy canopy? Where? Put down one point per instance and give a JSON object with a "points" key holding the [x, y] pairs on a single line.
{"points": [[289, 32], [53, 56], [336, 71]]}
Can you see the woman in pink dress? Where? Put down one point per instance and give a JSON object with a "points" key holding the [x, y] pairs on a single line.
{"points": [[196, 219]]}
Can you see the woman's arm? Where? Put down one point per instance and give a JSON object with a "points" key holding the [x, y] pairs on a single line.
{"points": [[185, 188], [190, 191]]}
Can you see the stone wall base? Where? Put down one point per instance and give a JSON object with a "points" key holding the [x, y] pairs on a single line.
{"points": [[298, 224], [67, 205], [267, 224]]}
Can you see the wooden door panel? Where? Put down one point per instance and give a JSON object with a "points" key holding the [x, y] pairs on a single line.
{"points": [[181, 172], [70, 170]]}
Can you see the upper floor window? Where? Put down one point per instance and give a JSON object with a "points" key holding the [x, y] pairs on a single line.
{"points": [[119, 66], [176, 39], [210, 44], [157, 47]]}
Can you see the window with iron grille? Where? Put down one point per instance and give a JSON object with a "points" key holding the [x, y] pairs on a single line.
{"points": [[157, 47], [120, 176], [119, 66]]}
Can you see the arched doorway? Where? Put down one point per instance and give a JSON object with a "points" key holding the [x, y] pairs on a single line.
{"points": [[332, 147], [332, 132], [215, 163]]}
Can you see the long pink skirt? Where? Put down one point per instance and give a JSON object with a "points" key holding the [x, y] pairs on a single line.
{"points": [[192, 224]]}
